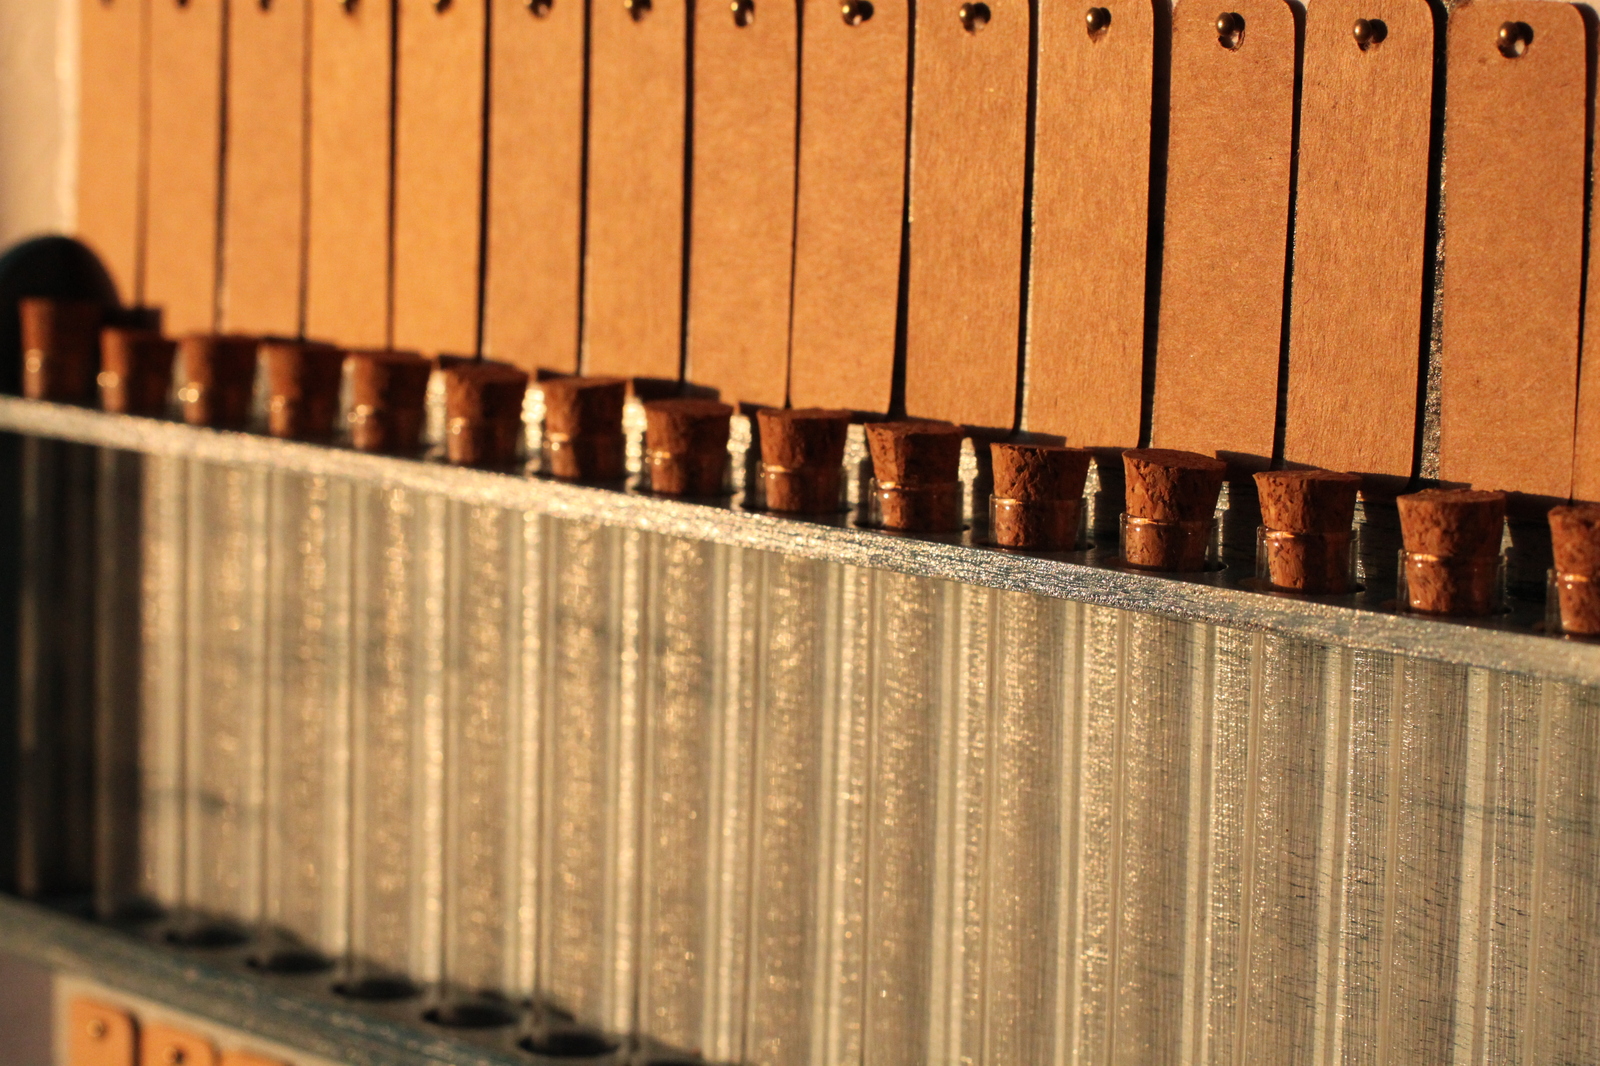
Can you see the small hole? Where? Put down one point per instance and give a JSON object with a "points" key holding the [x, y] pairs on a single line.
{"points": [[291, 961], [636, 9], [566, 1042], [471, 1015], [1097, 21], [207, 936], [1230, 30], [1369, 32], [266, 5], [1515, 38], [349, 6], [540, 8], [744, 12], [974, 17], [855, 12], [441, 6], [378, 989]]}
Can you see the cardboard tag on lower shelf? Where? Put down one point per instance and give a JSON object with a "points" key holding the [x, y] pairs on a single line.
{"points": [[164, 1045], [99, 1035]]}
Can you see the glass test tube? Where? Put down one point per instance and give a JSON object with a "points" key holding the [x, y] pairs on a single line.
{"points": [[909, 654], [1034, 669], [700, 636], [224, 705], [796, 811], [307, 722], [121, 716], [163, 526], [965, 773], [396, 759], [56, 692], [589, 785], [482, 713]]}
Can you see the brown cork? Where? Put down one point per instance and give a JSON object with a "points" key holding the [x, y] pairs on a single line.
{"points": [[303, 380], [1038, 495], [219, 379], [1575, 538], [1166, 485], [135, 370], [1307, 515], [583, 436], [686, 441], [1171, 503], [483, 411], [1452, 542], [802, 457], [917, 467], [60, 342], [388, 400]]}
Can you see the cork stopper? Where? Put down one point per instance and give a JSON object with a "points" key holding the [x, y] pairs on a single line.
{"points": [[219, 379], [483, 408], [1307, 515], [1164, 485], [1308, 501], [1038, 495], [135, 371], [1453, 522], [388, 400], [802, 457], [1452, 542], [1575, 538], [1035, 472], [687, 444], [915, 453], [583, 435], [60, 347], [917, 466], [303, 380]]}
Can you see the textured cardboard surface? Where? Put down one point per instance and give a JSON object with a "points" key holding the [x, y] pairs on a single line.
{"points": [[1227, 219], [438, 174], [263, 225], [968, 171], [741, 243], [1513, 261], [1361, 207], [1091, 208], [347, 257], [638, 85], [849, 208], [535, 187], [185, 162], [112, 72]]}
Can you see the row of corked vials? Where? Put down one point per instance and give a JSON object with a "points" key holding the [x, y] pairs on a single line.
{"points": [[1452, 537]]}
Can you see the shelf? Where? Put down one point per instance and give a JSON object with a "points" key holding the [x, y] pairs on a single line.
{"points": [[301, 1012], [1224, 598]]}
